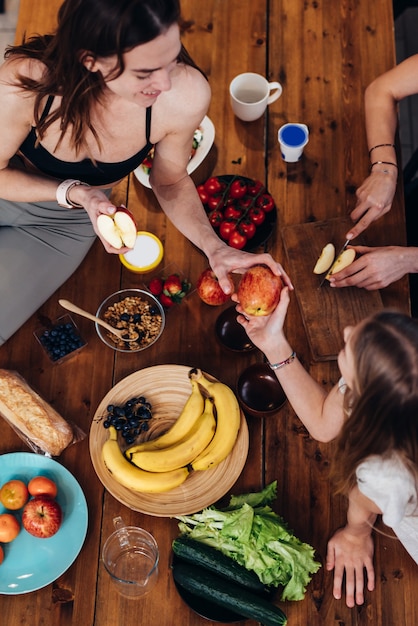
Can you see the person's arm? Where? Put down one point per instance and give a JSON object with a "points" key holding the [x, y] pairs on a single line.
{"points": [[320, 412], [376, 193], [350, 550], [377, 268], [177, 194]]}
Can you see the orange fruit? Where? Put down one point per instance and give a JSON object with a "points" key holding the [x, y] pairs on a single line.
{"points": [[14, 494], [42, 486], [9, 527]]}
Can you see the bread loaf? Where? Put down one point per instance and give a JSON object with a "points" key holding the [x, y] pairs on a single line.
{"points": [[30, 415]]}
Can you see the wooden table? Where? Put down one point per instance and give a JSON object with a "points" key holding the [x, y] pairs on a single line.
{"points": [[324, 54]]}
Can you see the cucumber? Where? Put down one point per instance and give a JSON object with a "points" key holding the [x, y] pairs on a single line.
{"points": [[227, 594], [213, 560]]}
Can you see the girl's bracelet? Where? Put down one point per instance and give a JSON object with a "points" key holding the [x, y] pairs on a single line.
{"points": [[277, 366], [382, 145]]}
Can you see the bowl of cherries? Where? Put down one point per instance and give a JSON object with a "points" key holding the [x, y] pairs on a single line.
{"points": [[241, 210]]}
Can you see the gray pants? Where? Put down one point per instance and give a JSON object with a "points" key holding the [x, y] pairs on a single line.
{"points": [[41, 245]]}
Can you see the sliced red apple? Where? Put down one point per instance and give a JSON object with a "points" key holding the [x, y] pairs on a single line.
{"points": [[325, 260], [344, 260], [119, 229]]}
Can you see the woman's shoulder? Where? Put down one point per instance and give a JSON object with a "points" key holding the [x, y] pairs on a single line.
{"points": [[16, 66], [190, 91]]}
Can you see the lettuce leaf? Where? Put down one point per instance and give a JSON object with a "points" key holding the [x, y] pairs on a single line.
{"points": [[251, 533]]}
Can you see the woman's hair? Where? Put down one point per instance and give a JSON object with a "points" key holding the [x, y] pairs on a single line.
{"points": [[89, 28], [382, 408]]}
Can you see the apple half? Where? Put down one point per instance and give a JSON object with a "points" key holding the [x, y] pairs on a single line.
{"points": [[119, 229], [344, 260], [325, 260]]}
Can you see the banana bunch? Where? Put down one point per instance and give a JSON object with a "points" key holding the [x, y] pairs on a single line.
{"points": [[228, 419], [191, 412], [202, 436], [184, 451], [134, 478]]}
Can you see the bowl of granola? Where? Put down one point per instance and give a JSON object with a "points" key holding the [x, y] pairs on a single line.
{"points": [[138, 312]]}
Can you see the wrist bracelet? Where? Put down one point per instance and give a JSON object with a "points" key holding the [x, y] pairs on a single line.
{"points": [[277, 366], [384, 163], [63, 190], [382, 145]]}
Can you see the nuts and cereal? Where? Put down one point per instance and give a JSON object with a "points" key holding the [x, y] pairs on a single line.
{"points": [[138, 314]]}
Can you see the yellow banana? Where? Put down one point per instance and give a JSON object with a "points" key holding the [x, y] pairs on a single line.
{"points": [[184, 451], [228, 419], [134, 478], [190, 413]]}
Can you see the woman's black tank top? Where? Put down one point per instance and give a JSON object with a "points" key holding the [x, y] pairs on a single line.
{"points": [[96, 174]]}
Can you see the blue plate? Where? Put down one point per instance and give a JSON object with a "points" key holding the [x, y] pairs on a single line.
{"points": [[31, 563]]}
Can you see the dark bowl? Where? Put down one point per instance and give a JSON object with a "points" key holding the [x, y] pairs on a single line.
{"points": [[259, 392], [230, 332]]}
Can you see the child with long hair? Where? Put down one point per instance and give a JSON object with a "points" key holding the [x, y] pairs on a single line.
{"points": [[373, 415]]}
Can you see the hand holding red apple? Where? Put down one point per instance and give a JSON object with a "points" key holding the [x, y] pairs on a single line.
{"points": [[118, 229], [259, 290]]}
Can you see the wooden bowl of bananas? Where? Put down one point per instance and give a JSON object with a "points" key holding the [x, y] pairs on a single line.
{"points": [[169, 440]]}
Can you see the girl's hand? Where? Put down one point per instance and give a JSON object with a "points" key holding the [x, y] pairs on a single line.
{"points": [[265, 330], [350, 555]]}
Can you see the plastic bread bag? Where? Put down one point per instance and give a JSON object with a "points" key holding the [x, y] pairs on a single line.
{"points": [[36, 422]]}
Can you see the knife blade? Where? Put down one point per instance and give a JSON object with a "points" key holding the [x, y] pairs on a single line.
{"points": [[337, 256]]}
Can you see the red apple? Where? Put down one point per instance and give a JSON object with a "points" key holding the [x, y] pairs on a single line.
{"points": [[42, 516], [118, 229], [259, 290], [209, 289]]}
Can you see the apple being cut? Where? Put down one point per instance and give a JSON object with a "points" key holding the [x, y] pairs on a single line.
{"points": [[259, 290], [209, 289], [119, 229], [42, 517]]}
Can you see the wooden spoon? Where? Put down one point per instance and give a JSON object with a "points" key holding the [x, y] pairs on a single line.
{"points": [[121, 334]]}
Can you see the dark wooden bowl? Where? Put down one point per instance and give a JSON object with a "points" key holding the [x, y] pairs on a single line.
{"points": [[259, 392]]}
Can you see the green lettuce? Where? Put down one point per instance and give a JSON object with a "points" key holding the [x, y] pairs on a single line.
{"points": [[251, 533]]}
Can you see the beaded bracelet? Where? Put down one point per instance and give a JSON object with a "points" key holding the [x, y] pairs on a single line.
{"points": [[384, 163], [277, 366], [382, 145]]}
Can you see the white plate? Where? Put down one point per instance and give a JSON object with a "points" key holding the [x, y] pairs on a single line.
{"points": [[31, 563], [201, 152]]}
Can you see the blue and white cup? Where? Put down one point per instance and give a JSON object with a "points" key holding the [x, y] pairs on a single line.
{"points": [[293, 138]]}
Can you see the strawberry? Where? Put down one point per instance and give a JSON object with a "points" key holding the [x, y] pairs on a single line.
{"points": [[156, 286], [166, 301], [172, 285]]}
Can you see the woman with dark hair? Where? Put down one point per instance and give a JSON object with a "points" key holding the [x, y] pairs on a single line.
{"points": [[80, 110], [372, 413]]}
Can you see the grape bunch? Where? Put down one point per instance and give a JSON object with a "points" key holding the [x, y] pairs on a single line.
{"points": [[129, 419]]}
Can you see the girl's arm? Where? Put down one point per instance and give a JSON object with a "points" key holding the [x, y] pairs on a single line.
{"points": [[350, 550], [321, 412]]}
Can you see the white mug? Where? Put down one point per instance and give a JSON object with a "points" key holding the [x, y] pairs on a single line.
{"points": [[250, 94]]}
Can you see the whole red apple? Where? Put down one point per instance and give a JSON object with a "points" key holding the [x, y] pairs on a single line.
{"points": [[259, 290], [209, 289], [42, 516]]}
